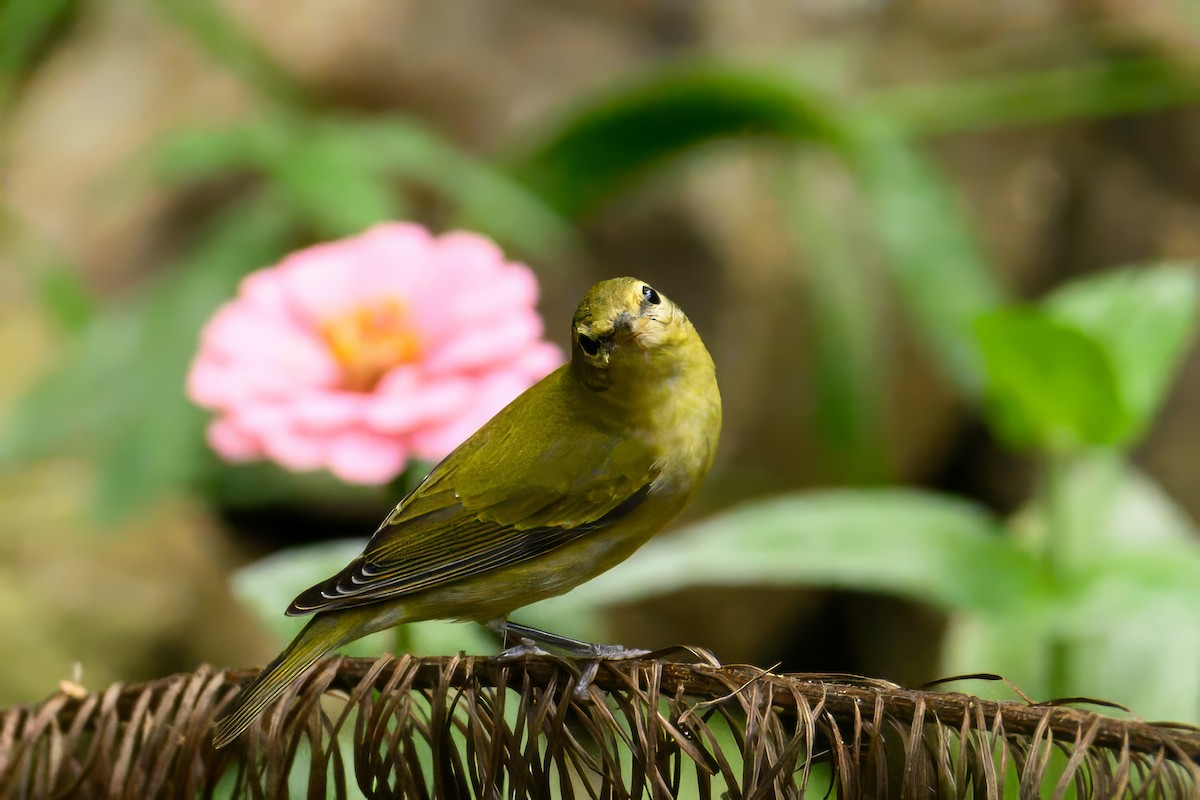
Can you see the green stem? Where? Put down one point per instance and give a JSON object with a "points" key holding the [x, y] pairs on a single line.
{"points": [[1057, 555], [401, 640]]}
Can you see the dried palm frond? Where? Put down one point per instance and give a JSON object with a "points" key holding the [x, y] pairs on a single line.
{"points": [[476, 727]]}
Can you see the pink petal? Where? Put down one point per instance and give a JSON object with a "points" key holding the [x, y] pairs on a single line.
{"points": [[320, 410], [485, 345], [363, 457], [473, 300], [469, 254], [295, 450], [263, 292], [215, 383], [401, 404], [328, 280], [540, 360], [208, 384], [263, 418], [231, 442], [292, 353], [491, 395]]}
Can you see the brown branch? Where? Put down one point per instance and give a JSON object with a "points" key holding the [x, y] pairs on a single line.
{"points": [[842, 695], [736, 729]]}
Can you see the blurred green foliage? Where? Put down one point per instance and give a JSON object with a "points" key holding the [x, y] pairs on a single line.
{"points": [[26, 28], [1089, 366], [1091, 588]]}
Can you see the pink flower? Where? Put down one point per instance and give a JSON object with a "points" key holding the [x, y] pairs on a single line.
{"points": [[359, 354]]}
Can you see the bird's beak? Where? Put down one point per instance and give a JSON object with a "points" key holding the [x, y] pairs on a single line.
{"points": [[641, 332]]}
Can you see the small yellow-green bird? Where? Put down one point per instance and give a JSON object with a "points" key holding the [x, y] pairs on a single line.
{"points": [[565, 482]]}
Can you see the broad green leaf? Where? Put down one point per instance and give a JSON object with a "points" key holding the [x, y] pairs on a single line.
{"points": [[932, 257], [268, 586], [25, 28], [487, 199], [1010, 646], [923, 546], [202, 154], [1122, 620], [606, 143], [66, 299], [53, 414], [620, 137], [330, 182], [1144, 319], [1091, 366], [844, 313], [213, 30], [156, 442], [1116, 540], [1049, 385], [344, 173], [119, 391], [1032, 97]]}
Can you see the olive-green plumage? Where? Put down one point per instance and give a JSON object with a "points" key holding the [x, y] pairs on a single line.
{"points": [[565, 482]]}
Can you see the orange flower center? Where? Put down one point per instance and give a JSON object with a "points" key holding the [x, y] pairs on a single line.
{"points": [[369, 341]]}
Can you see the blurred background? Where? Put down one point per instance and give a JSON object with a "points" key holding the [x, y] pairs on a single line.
{"points": [[835, 191]]}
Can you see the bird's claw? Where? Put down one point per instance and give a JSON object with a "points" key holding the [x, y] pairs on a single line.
{"points": [[525, 648], [613, 652], [583, 658], [591, 660]]}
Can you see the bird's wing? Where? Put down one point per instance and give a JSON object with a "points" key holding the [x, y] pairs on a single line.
{"points": [[502, 498]]}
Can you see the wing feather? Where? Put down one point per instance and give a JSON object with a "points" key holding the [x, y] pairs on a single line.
{"points": [[499, 499], [364, 581]]}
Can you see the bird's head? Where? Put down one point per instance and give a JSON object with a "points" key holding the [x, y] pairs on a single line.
{"points": [[624, 324]]}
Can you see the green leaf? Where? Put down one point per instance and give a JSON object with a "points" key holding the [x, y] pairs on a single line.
{"points": [[26, 26], [1090, 368], [1122, 623], [618, 138], [342, 174], [156, 442], [329, 181], [608, 142], [922, 546], [844, 313], [487, 199], [1117, 539], [1101, 89], [203, 154], [268, 586], [119, 391], [66, 299], [941, 276], [73, 402], [1143, 318], [1049, 385], [212, 29]]}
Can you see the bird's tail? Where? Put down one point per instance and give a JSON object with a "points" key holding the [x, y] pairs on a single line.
{"points": [[319, 636]]}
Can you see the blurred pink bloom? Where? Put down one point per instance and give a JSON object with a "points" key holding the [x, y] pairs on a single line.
{"points": [[359, 354]]}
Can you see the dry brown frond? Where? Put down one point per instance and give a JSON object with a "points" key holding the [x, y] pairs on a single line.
{"points": [[475, 727]]}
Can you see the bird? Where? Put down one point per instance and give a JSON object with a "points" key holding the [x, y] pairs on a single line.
{"points": [[562, 484]]}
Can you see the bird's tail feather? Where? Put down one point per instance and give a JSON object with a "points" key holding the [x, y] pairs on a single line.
{"points": [[319, 636]]}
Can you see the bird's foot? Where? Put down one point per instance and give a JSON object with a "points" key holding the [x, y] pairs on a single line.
{"points": [[564, 644], [525, 648], [587, 655], [612, 652]]}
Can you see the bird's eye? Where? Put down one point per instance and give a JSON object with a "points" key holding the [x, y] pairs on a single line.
{"points": [[590, 345], [650, 296]]}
